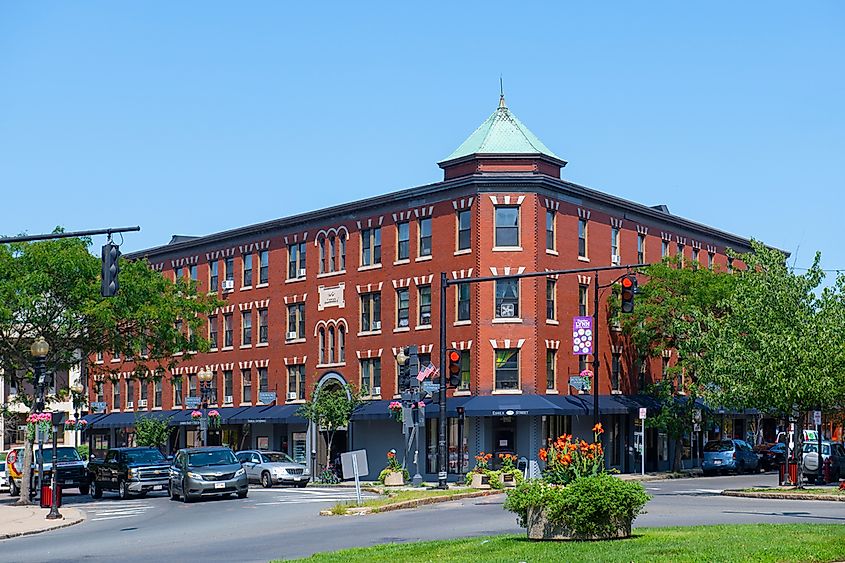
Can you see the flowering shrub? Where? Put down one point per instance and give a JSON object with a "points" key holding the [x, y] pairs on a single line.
{"points": [[508, 462], [393, 466], [395, 408], [568, 459], [482, 462]]}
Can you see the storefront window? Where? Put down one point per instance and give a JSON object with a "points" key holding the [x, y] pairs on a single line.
{"points": [[452, 432]]}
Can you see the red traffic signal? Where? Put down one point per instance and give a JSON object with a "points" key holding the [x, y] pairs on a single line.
{"points": [[453, 358], [629, 289]]}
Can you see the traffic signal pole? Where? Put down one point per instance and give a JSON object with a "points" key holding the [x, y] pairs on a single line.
{"points": [[445, 283]]}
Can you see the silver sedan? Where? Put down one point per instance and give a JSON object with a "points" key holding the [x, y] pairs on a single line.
{"points": [[270, 468]]}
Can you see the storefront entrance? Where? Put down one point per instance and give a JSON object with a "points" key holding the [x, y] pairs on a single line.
{"points": [[504, 438]]}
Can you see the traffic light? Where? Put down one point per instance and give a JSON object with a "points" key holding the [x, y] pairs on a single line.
{"points": [[111, 268], [453, 358], [629, 289]]}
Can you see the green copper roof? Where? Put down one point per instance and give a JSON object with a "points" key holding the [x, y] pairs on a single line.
{"points": [[501, 133]]}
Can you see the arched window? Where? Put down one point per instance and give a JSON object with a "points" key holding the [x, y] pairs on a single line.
{"points": [[341, 344], [331, 253], [322, 345], [322, 255], [331, 345], [341, 259]]}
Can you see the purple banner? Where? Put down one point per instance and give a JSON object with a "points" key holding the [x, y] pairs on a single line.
{"points": [[582, 335]]}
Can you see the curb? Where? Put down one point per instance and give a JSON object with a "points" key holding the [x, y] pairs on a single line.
{"points": [[356, 511], [782, 496], [65, 524]]}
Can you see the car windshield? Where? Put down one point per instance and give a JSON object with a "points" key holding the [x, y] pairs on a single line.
{"points": [[62, 454], [814, 448], [276, 457], [144, 456], [213, 457], [719, 446]]}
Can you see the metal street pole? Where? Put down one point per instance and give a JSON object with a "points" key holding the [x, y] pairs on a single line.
{"points": [[74, 234], [596, 361], [441, 426], [54, 501]]}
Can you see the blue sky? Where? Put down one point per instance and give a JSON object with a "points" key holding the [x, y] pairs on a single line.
{"points": [[194, 117]]}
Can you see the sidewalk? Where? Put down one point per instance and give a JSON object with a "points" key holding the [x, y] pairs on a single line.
{"points": [[25, 520], [660, 476]]}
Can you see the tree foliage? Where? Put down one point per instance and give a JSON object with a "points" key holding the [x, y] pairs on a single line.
{"points": [[331, 407], [151, 431]]}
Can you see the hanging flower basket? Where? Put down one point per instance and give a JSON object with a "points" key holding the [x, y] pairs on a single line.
{"points": [[196, 416], [395, 408], [214, 419], [38, 420]]}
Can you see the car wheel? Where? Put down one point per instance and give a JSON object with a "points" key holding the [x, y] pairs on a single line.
{"points": [[84, 489], [13, 488], [242, 494], [186, 498], [96, 491], [266, 480], [302, 485], [172, 492], [122, 490]]}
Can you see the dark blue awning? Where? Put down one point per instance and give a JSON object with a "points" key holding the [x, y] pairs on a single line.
{"points": [[608, 404], [278, 414], [183, 417], [373, 410], [510, 405], [452, 404], [251, 415], [115, 420], [93, 417]]}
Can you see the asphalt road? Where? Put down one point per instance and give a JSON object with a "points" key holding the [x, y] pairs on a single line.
{"points": [[284, 523]]}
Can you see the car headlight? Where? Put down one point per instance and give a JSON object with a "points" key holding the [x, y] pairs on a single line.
{"points": [[196, 476], [240, 472], [133, 473]]}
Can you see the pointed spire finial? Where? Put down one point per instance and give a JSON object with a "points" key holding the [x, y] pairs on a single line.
{"points": [[501, 93]]}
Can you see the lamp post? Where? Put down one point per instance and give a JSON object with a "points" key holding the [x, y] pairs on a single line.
{"points": [[76, 395], [39, 351], [205, 376], [57, 418]]}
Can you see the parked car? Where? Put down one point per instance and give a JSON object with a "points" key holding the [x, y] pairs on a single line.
{"points": [[129, 471], [270, 468], [771, 455], [830, 450], [209, 471], [70, 472], [729, 455], [4, 481]]}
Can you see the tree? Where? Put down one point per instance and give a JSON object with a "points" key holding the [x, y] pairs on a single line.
{"points": [[331, 407], [152, 431], [781, 348], [673, 311], [52, 289]]}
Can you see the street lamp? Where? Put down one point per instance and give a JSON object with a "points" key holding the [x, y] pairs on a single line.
{"points": [[76, 395], [39, 351], [57, 417], [205, 376]]}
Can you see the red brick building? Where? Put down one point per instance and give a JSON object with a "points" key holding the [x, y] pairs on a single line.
{"points": [[332, 295]]}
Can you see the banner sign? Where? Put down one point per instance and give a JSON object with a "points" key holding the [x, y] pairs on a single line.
{"points": [[192, 402], [579, 382], [98, 407], [582, 335], [266, 396]]}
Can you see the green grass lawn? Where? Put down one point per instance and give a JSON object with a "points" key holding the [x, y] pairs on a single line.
{"points": [[728, 543]]}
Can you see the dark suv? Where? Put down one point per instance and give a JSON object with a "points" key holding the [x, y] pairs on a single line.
{"points": [[198, 472]]}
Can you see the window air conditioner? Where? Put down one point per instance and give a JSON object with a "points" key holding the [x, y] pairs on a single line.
{"points": [[292, 396], [302, 272], [129, 404], [228, 285], [376, 325], [142, 403], [292, 335], [616, 259], [376, 391], [227, 399], [426, 319], [403, 322]]}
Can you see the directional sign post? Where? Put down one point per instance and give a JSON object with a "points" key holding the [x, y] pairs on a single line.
{"points": [[192, 402]]}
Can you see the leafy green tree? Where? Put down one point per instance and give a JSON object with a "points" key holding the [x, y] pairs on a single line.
{"points": [[331, 407], [152, 431], [52, 289], [673, 310]]}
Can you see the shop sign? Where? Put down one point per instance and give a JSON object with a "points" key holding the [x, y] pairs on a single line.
{"points": [[266, 396], [509, 413]]}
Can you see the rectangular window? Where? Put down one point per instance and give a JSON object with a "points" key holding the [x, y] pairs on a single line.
{"points": [[465, 370], [263, 330], [550, 230], [296, 321], [681, 252], [664, 249], [463, 302], [464, 229], [507, 369], [247, 274], [370, 312], [615, 365], [212, 331], [230, 269], [157, 393], [641, 248], [180, 273], [424, 228], [263, 267], [227, 386], [695, 257], [424, 304], [193, 272], [115, 389], [177, 392], [296, 382], [98, 389], [296, 260], [192, 386], [402, 307], [710, 260], [246, 328], [507, 299], [403, 244], [213, 386], [582, 238], [263, 382], [582, 300], [130, 393], [341, 258], [507, 226], [614, 245], [246, 385], [371, 377], [371, 247], [551, 304], [213, 269], [99, 356], [227, 331], [145, 389], [551, 356]]}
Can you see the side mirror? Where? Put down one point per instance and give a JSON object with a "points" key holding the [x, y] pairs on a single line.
{"points": [[242, 461]]}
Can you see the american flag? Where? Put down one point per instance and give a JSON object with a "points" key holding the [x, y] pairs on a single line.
{"points": [[426, 371]]}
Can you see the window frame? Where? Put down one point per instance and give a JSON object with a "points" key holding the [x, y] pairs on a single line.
{"points": [[228, 331], [423, 295], [263, 325], [403, 241], [295, 315], [296, 259], [614, 243], [640, 248], [400, 291], [424, 225], [551, 229], [461, 230], [213, 275], [551, 299], [371, 367], [505, 229], [246, 272], [500, 298], [371, 247], [263, 267], [246, 385], [583, 300], [370, 306], [583, 236], [296, 376], [246, 327], [499, 382], [551, 369], [463, 303]]}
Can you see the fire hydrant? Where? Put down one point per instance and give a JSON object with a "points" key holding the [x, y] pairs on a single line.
{"points": [[826, 470]]}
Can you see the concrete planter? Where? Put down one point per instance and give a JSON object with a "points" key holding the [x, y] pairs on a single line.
{"points": [[539, 528], [508, 480], [394, 479], [480, 481]]}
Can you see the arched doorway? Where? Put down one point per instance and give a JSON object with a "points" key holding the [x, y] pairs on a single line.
{"points": [[320, 437]]}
